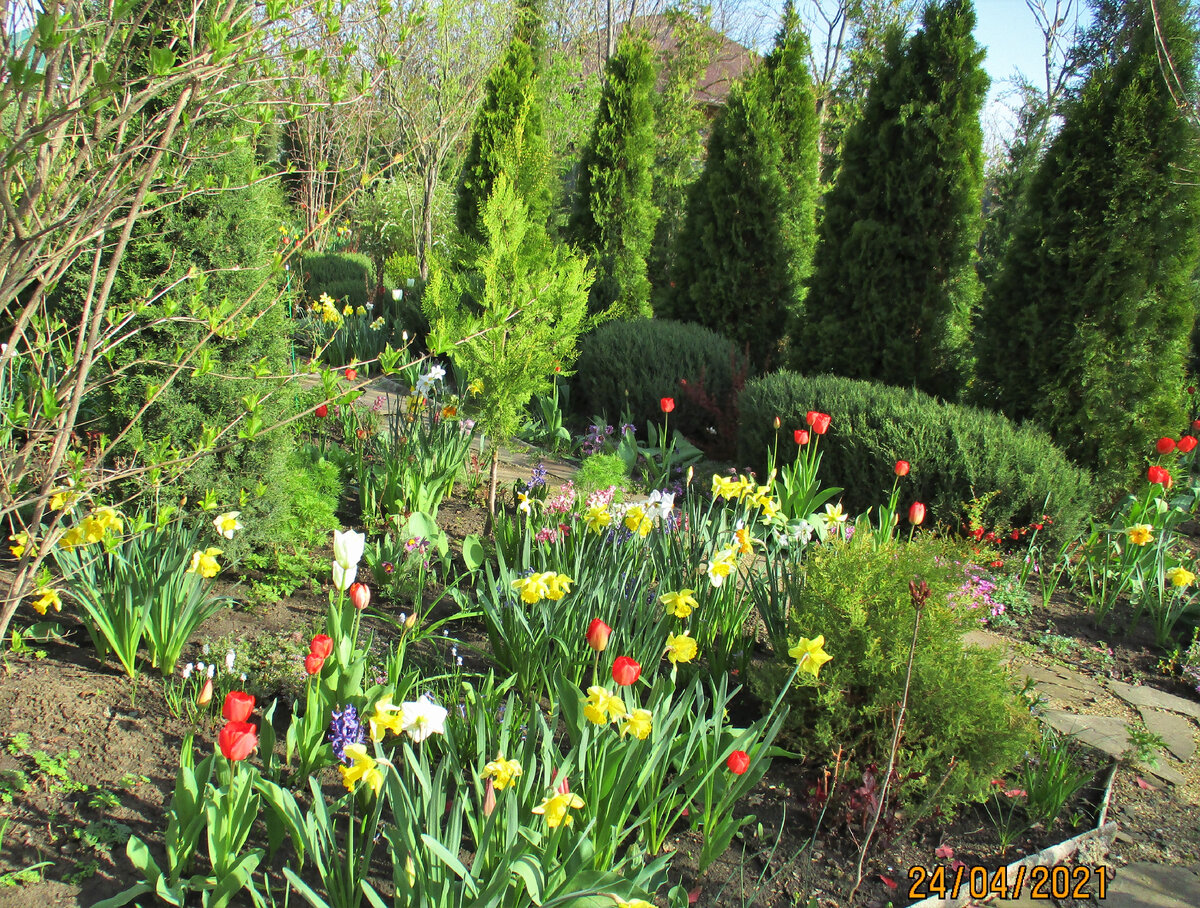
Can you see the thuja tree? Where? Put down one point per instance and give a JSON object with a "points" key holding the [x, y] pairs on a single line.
{"points": [[1087, 329], [894, 284], [508, 132], [746, 242], [613, 218], [511, 315]]}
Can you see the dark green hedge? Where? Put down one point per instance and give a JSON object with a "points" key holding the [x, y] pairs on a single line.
{"points": [[345, 276], [957, 453], [634, 364]]}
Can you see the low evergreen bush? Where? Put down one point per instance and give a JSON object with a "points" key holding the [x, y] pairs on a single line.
{"points": [[345, 276], [965, 723], [957, 453], [631, 365]]}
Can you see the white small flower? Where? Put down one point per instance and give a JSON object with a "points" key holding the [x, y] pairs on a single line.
{"points": [[243, 677], [229, 660], [422, 718], [204, 649], [212, 670], [187, 671], [412, 282]]}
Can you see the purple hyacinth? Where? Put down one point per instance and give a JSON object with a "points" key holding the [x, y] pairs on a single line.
{"points": [[345, 729]]}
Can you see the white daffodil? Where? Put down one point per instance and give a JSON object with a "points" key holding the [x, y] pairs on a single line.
{"points": [[228, 524], [422, 718]]}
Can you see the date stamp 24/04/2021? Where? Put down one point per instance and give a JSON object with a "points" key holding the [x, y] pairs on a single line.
{"points": [[976, 882]]}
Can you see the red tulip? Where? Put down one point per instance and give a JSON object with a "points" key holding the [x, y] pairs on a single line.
{"points": [[1187, 444], [351, 374], [1196, 424], [801, 436], [238, 706], [238, 740], [313, 663], [902, 467], [1165, 445], [818, 421], [597, 635], [321, 646], [322, 411], [916, 513], [206, 693], [625, 671], [360, 595], [738, 762], [667, 404], [1159, 475]]}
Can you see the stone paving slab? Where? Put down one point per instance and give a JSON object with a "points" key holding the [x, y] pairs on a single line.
{"points": [[1177, 732], [1109, 735], [1155, 886], [1062, 678], [1148, 696]]}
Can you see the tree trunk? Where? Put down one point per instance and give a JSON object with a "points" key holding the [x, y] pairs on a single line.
{"points": [[492, 479], [426, 244]]}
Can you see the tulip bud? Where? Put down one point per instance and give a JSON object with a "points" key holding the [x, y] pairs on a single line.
{"points": [[690, 473], [360, 595], [489, 798], [411, 622], [597, 635], [206, 693], [1165, 445], [313, 663], [351, 374], [916, 513], [902, 467], [667, 404], [777, 423], [322, 411], [801, 436]]}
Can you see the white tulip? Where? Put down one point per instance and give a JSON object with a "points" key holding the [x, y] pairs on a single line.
{"points": [[343, 577], [348, 548]]}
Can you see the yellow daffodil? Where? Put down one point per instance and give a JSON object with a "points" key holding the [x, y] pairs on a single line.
{"points": [[679, 604], [228, 524], [19, 543], [639, 723], [768, 505], [558, 585], [502, 772], [476, 386], [63, 499], [45, 600], [637, 521], [71, 538], [728, 488], [680, 648], [557, 809], [92, 529], [722, 564], [205, 563], [533, 588], [597, 518], [834, 516], [810, 655], [364, 767], [743, 541], [601, 706], [1140, 533], [1180, 576], [387, 717], [636, 903], [348, 310], [360, 310], [108, 520]]}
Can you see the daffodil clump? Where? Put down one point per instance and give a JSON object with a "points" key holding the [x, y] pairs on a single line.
{"points": [[548, 585]]}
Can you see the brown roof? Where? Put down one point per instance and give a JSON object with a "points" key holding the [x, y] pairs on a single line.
{"points": [[730, 60]]}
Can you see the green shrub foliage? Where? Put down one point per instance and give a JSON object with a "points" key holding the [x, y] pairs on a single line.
{"points": [[630, 366], [1087, 330], [226, 235], [613, 219], [345, 276], [894, 284], [964, 726], [958, 453], [508, 137], [746, 244]]}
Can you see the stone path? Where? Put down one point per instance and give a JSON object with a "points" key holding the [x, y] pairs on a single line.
{"points": [[1092, 711]]}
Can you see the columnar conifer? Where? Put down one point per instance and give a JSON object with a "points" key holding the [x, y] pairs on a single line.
{"points": [[894, 283]]}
